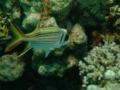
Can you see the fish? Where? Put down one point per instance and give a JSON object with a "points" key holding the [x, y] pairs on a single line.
{"points": [[41, 38]]}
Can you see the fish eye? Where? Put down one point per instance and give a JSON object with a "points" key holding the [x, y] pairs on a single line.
{"points": [[66, 37]]}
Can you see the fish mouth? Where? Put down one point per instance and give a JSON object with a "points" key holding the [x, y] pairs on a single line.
{"points": [[65, 43], [64, 37]]}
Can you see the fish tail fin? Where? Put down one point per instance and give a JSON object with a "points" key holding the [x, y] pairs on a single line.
{"points": [[18, 38]]}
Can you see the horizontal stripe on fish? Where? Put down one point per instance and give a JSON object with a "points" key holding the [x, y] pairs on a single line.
{"points": [[43, 34], [47, 41], [44, 30], [50, 41], [49, 37], [43, 38], [46, 35], [35, 45]]}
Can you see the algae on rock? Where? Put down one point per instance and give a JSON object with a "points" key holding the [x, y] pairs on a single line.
{"points": [[78, 41], [11, 67], [61, 8], [31, 12], [77, 36], [92, 12], [53, 67]]}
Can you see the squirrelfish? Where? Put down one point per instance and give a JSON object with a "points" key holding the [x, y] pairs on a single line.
{"points": [[41, 38]]}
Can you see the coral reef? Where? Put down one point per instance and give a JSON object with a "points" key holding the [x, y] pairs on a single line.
{"points": [[92, 11], [112, 37], [108, 86], [112, 19], [113, 86], [53, 67], [56, 52], [101, 65], [77, 36], [4, 31], [30, 6], [31, 10], [7, 5], [116, 24], [86, 63], [30, 22], [3, 27], [61, 8], [114, 11], [11, 8], [49, 22], [11, 67], [72, 61], [56, 65], [78, 41], [4, 35]]}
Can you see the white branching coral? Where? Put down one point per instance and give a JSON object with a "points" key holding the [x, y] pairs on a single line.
{"points": [[101, 65]]}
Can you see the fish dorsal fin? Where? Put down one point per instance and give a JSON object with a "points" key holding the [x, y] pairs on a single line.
{"points": [[37, 27], [27, 48], [47, 51]]}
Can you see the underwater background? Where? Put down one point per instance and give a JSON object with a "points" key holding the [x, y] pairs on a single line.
{"points": [[91, 59]]}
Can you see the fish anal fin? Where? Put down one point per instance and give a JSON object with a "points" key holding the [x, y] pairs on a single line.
{"points": [[47, 51], [28, 47]]}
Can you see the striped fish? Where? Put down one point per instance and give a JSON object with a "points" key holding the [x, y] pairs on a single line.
{"points": [[41, 38]]}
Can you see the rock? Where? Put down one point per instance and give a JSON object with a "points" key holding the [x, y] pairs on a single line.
{"points": [[11, 67]]}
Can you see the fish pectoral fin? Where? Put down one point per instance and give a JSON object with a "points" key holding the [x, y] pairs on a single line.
{"points": [[47, 51], [28, 47]]}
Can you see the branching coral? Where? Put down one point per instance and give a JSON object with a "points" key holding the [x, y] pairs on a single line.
{"points": [[114, 11], [101, 65], [117, 24], [113, 18], [3, 28]]}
